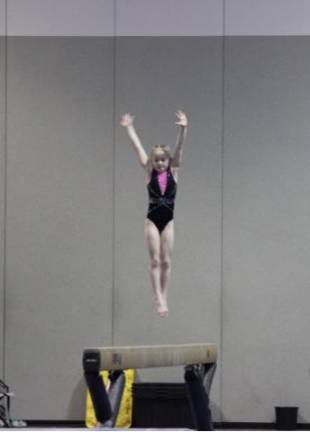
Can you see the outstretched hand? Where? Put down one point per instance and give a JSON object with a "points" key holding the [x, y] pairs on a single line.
{"points": [[127, 120], [181, 118]]}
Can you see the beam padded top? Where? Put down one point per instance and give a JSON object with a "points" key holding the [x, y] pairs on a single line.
{"points": [[152, 356]]}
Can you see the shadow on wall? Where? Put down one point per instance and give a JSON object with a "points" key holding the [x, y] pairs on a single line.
{"points": [[217, 415], [76, 408]]}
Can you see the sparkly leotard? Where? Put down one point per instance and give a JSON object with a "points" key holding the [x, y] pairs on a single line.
{"points": [[161, 205]]}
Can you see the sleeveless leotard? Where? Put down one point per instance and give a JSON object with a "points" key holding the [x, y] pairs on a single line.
{"points": [[161, 199]]}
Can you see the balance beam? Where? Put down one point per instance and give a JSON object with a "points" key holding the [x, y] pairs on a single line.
{"points": [[153, 356], [199, 360]]}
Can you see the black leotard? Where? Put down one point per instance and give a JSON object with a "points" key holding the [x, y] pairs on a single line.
{"points": [[161, 207]]}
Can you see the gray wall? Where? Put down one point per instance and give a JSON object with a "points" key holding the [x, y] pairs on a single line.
{"points": [[59, 218], [76, 265], [266, 227]]}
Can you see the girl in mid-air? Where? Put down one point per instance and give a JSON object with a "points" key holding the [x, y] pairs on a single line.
{"points": [[161, 168]]}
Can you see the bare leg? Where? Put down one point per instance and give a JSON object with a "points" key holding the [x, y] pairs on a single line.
{"points": [[152, 238], [166, 247]]}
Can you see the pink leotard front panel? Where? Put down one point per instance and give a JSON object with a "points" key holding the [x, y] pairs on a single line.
{"points": [[162, 181]]}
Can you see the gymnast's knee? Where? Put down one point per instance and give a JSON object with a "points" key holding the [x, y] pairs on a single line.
{"points": [[166, 264], [154, 263]]}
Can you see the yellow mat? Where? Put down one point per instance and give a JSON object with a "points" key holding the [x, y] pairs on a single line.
{"points": [[124, 418]]}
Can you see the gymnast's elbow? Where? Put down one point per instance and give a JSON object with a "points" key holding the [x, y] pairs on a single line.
{"points": [[144, 162], [175, 163]]}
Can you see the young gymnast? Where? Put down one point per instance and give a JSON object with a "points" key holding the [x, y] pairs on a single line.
{"points": [[161, 177]]}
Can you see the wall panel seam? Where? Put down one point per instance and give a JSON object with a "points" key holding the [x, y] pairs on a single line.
{"points": [[114, 120], [222, 209], [4, 191]]}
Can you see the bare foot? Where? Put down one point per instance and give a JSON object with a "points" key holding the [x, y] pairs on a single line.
{"points": [[163, 310], [161, 305]]}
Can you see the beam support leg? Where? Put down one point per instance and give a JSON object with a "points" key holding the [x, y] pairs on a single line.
{"points": [[98, 394], [195, 375]]}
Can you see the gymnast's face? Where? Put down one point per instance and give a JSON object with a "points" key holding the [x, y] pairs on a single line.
{"points": [[160, 161]]}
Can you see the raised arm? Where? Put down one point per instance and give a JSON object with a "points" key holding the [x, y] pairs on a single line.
{"points": [[127, 123], [182, 123]]}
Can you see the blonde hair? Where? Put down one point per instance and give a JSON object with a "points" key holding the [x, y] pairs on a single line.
{"points": [[163, 149]]}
